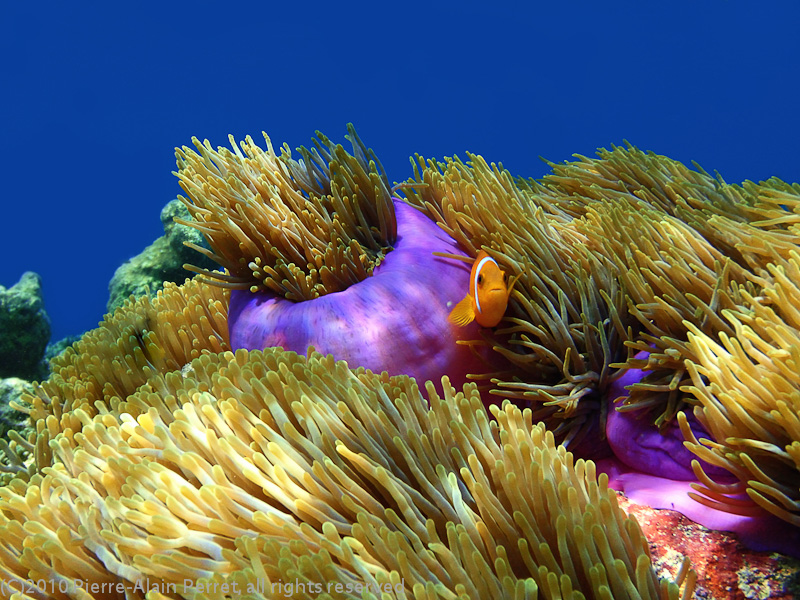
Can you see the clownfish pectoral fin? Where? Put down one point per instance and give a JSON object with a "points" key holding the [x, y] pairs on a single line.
{"points": [[462, 314]]}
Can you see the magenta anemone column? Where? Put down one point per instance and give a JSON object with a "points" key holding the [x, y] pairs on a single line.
{"points": [[394, 321]]}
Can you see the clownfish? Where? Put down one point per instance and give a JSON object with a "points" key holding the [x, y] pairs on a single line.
{"points": [[488, 294]]}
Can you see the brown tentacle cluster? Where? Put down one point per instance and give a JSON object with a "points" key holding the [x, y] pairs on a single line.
{"points": [[564, 327], [748, 387], [300, 228]]}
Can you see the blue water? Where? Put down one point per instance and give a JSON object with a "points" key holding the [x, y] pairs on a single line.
{"points": [[94, 100]]}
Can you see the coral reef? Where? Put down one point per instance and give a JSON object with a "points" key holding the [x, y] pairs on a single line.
{"points": [[161, 261], [24, 329], [59, 346], [169, 447]]}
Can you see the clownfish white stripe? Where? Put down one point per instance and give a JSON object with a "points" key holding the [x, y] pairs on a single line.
{"points": [[481, 264]]}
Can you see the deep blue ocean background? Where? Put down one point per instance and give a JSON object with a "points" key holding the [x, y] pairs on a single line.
{"points": [[94, 99]]}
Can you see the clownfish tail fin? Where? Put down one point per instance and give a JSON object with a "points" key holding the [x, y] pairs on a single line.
{"points": [[462, 313]]}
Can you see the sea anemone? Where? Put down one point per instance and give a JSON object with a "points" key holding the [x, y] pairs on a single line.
{"points": [[170, 447], [618, 257], [148, 335], [708, 269], [247, 471], [320, 254], [301, 229], [621, 258], [564, 326]]}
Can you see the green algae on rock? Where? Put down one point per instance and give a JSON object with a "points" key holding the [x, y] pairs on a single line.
{"points": [[24, 329], [161, 261]]}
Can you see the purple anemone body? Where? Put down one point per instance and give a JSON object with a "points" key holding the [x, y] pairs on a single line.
{"points": [[640, 445], [394, 321], [654, 468]]}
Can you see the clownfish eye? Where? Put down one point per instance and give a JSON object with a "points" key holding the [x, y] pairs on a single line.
{"points": [[480, 279], [505, 277]]}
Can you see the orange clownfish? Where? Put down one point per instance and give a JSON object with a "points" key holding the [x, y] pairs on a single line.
{"points": [[488, 294]]}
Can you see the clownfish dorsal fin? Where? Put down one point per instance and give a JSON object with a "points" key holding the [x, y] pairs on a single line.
{"points": [[462, 313]]}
